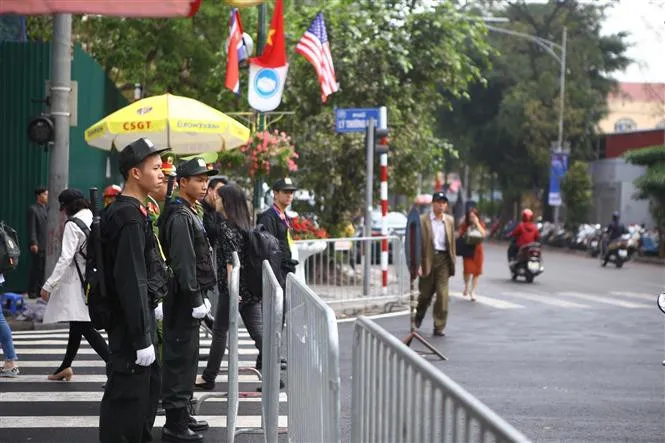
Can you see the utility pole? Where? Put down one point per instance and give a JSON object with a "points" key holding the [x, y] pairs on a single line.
{"points": [[261, 117], [562, 91], [58, 177]]}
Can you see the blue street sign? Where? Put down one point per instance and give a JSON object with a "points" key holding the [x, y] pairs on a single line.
{"points": [[354, 119]]}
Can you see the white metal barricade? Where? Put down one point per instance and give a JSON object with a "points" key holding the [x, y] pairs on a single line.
{"points": [[400, 397], [313, 373]]}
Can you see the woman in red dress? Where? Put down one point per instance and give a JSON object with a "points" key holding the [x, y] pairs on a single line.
{"points": [[473, 266]]}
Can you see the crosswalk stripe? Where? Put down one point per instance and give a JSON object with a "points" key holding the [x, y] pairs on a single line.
{"points": [[545, 299], [605, 300], [206, 342], [493, 302], [92, 421], [101, 378], [96, 396], [636, 295], [241, 332], [101, 364], [89, 351], [65, 335]]}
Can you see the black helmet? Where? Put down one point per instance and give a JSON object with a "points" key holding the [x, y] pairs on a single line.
{"points": [[615, 216]]}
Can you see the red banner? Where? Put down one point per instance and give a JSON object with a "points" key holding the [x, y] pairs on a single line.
{"points": [[117, 8]]}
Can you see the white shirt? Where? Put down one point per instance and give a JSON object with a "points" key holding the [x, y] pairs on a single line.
{"points": [[438, 233]]}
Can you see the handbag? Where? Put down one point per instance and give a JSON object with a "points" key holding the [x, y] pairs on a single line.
{"points": [[464, 249], [473, 236]]}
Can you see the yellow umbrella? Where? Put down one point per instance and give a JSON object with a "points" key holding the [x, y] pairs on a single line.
{"points": [[183, 124]]}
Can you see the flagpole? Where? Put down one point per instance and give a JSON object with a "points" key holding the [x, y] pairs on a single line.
{"points": [[260, 117]]}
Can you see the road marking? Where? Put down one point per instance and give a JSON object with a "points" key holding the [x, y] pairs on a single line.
{"points": [[546, 299], [242, 332], [89, 351], [637, 295], [101, 364], [493, 302], [92, 421], [603, 299], [21, 342], [96, 396], [100, 378]]}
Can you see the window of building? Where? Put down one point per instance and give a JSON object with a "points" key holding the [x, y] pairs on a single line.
{"points": [[625, 125], [660, 124]]}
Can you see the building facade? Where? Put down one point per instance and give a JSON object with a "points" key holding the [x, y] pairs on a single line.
{"points": [[635, 107]]}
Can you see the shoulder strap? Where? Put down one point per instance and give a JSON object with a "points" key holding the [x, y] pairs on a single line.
{"points": [[81, 224]]}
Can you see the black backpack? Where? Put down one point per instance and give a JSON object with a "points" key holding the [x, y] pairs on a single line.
{"points": [[91, 279], [9, 248], [261, 245]]}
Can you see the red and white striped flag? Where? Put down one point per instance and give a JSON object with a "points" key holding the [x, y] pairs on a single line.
{"points": [[315, 48]]}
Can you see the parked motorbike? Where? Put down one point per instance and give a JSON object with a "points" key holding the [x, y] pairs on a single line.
{"points": [[593, 242], [616, 251], [528, 263]]}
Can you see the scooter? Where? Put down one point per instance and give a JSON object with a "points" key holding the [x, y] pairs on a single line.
{"points": [[616, 251], [593, 242], [528, 263]]}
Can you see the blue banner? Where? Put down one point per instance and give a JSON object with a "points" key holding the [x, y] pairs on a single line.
{"points": [[558, 169]]}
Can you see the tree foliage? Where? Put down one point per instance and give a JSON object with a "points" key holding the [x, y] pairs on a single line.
{"points": [[408, 56], [577, 193], [651, 185], [509, 125]]}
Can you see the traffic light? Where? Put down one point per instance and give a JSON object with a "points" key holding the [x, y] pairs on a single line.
{"points": [[41, 130], [381, 141]]}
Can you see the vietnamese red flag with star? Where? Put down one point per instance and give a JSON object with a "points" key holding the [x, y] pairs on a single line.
{"points": [[117, 8], [267, 72]]}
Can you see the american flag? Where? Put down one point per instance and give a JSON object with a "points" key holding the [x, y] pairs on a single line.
{"points": [[315, 48]]}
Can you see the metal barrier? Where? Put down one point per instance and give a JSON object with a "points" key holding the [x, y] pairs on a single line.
{"points": [[313, 374], [336, 270], [273, 311], [400, 397]]}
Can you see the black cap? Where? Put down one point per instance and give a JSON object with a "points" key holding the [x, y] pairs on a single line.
{"points": [[195, 166], [137, 151], [69, 195], [439, 197], [284, 184]]}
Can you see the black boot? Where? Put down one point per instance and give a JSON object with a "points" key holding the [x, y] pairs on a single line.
{"points": [[176, 427], [193, 423]]}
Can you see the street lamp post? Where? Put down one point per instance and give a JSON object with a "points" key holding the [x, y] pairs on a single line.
{"points": [[551, 48]]}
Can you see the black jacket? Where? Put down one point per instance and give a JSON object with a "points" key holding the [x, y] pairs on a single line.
{"points": [[276, 226], [37, 219], [124, 230], [212, 221], [189, 255]]}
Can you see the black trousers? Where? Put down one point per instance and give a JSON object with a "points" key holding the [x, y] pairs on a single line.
{"points": [[181, 357], [252, 316], [36, 277], [94, 338], [129, 405]]}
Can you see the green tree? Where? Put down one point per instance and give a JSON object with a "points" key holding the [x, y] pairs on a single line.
{"points": [[408, 56], [651, 185], [577, 193], [509, 124]]}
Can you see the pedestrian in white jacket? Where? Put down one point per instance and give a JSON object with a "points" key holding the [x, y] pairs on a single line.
{"points": [[64, 289]]}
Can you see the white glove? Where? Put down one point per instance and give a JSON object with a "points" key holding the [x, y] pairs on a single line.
{"points": [[207, 303], [159, 313], [200, 311], [145, 356]]}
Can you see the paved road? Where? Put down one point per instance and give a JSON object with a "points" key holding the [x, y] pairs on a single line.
{"points": [[575, 356], [37, 410]]}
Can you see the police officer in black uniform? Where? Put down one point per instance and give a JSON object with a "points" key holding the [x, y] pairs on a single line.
{"points": [[128, 408], [189, 255]]}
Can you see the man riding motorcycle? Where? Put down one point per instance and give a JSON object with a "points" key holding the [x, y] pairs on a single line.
{"points": [[524, 233], [615, 229]]}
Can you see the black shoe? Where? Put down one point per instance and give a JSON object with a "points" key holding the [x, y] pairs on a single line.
{"points": [[439, 332], [197, 425], [281, 386], [178, 437], [206, 385], [176, 427], [418, 321]]}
